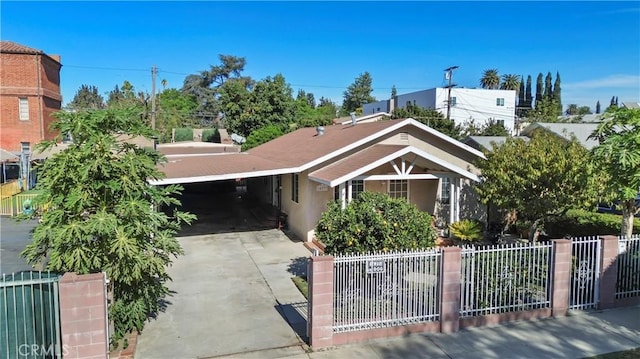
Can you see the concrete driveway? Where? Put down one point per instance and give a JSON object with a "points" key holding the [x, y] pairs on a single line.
{"points": [[14, 237], [233, 297]]}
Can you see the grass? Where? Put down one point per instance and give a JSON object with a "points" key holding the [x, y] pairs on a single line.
{"points": [[625, 354], [301, 283]]}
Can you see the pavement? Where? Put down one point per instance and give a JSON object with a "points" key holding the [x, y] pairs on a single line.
{"points": [[14, 237]]}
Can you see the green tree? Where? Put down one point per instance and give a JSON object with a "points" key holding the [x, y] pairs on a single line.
{"points": [[358, 93], [618, 153], [394, 91], [527, 93], [521, 94], [548, 89], [429, 117], [311, 100], [375, 222], [545, 111], [510, 82], [540, 178], [102, 213], [572, 109], [557, 92], [262, 135], [493, 128], [490, 79], [598, 107], [174, 110], [584, 110], [86, 98], [539, 89]]}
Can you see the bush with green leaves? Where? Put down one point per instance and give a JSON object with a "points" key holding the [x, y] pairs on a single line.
{"points": [[183, 134], [262, 135], [210, 135], [102, 215], [375, 222], [467, 230], [577, 223]]}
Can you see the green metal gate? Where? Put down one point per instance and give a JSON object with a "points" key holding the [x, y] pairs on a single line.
{"points": [[30, 316]]}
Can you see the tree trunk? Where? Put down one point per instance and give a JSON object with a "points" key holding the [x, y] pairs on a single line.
{"points": [[534, 232], [628, 211]]}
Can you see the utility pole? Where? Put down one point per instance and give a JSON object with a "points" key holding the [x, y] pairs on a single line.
{"points": [[448, 74], [154, 71]]}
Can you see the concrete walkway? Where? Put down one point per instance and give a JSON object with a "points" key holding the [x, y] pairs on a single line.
{"points": [[233, 296], [576, 336]]}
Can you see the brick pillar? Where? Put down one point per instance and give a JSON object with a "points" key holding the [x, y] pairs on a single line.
{"points": [[321, 302], [561, 277], [83, 316], [450, 289], [608, 271]]}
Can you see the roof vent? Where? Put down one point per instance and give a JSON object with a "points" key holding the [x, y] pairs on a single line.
{"points": [[319, 131], [353, 118]]}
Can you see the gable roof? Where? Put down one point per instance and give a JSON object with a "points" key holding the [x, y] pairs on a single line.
{"points": [[486, 142], [581, 131], [14, 48], [292, 153]]}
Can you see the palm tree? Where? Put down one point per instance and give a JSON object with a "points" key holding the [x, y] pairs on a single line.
{"points": [[510, 82], [490, 79], [164, 83]]}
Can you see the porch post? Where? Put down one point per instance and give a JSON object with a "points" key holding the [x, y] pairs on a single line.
{"points": [[458, 183], [343, 195], [452, 201]]}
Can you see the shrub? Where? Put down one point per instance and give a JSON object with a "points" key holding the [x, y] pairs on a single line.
{"points": [[183, 134], [375, 222], [467, 230], [211, 135], [584, 223], [262, 135]]}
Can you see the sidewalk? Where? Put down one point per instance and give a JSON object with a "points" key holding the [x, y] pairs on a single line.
{"points": [[578, 335]]}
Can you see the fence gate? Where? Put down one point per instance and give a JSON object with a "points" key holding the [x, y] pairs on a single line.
{"points": [[30, 316], [585, 273]]}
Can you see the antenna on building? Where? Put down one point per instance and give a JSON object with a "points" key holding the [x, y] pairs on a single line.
{"points": [[448, 75]]}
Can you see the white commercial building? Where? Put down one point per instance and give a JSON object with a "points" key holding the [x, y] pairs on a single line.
{"points": [[477, 105]]}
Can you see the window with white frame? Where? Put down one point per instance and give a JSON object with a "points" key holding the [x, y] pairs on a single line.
{"points": [[23, 107], [294, 187], [357, 187], [500, 101], [445, 190], [500, 122], [454, 100], [399, 189]]}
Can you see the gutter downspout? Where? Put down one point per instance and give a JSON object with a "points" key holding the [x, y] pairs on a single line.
{"points": [[39, 95]]}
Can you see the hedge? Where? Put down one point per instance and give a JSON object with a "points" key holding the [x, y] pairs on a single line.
{"points": [[210, 135], [183, 134], [579, 223]]}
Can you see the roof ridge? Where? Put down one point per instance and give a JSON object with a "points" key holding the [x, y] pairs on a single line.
{"points": [[14, 47]]}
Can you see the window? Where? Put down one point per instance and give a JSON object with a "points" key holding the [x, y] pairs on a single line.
{"points": [[500, 101], [399, 189], [454, 100], [294, 187], [357, 187], [500, 122], [445, 190], [23, 106]]}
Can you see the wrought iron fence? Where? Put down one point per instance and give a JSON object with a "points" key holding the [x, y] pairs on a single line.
{"points": [[628, 282], [30, 316], [505, 278], [386, 289], [585, 272]]}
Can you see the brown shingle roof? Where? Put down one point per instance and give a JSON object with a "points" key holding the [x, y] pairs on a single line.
{"points": [[354, 162], [13, 48], [304, 145]]}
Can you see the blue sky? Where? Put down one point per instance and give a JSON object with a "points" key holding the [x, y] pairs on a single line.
{"points": [[322, 47]]}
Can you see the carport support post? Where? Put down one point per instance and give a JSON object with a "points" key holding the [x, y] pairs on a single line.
{"points": [[561, 277], [321, 301], [608, 272]]}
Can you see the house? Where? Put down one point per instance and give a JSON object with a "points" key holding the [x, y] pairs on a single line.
{"points": [[301, 172], [29, 94], [482, 143], [478, 105], [581, 131]]}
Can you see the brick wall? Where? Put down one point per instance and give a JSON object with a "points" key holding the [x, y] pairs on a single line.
{"points": [[37, 78], [83, 317]]}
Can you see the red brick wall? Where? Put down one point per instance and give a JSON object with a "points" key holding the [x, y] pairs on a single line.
{"points": [[19, 77], [83, 318]]}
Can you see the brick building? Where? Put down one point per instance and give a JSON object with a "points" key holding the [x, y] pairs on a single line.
{"points": [[29, 95]]}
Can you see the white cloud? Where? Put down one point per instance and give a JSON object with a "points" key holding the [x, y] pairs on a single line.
{"points": [[613, 81]]}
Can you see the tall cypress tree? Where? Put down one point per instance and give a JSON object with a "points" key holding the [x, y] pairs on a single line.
{"points": [[598, 107], [613, 101], [394, 91], [557, 95], [527, 96], [616, 101], [548, 90], [521, 98], [539, 87]]}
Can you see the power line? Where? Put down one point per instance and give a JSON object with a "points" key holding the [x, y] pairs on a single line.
{"points": [[104, 68]]}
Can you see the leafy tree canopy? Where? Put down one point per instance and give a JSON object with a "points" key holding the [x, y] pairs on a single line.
{"points": [[375, 222], [102, 213], [86, 98], [490, 79], [540, 178], [619, 155], [358, 93], [429, 117]]}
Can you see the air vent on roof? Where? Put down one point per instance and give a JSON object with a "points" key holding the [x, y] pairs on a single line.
{"points": [[319, 131], [353, 118], [404, 136]]}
